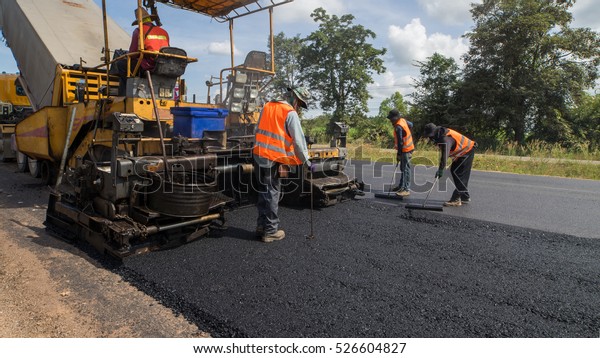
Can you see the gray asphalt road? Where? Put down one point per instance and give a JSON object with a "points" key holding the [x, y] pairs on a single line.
{"points": [[376, 270], [559, 205]]}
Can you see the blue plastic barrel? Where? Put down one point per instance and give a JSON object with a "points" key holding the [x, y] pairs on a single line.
{"points": [[192, 122]]}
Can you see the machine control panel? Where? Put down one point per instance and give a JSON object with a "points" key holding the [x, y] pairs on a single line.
{"points": [[127, 122]]}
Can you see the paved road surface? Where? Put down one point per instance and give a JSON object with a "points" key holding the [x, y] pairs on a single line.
{"points": [[377, 271], [374, 270], [568, 206]]}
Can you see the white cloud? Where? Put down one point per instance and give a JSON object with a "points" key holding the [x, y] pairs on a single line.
{"points": [[299, 11], [586, 13], [220, 48], [454, 12], [411, 43], [389, 83]]}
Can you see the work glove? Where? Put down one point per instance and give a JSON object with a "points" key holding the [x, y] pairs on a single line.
{"points": [[312, 167], [398, 157], [440, 173]]}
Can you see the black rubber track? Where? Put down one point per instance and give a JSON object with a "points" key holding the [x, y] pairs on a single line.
{"points": [[379, 271]]}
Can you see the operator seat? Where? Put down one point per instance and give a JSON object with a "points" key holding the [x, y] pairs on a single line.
{"points": [[256, 59], [165, 73], [246, 82], [170, 66]]}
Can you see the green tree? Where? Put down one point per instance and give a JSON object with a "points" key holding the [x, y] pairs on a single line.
{"points": [[287, 56], [586, 121], [525, 67], [395, 101], [338, 63], [316, 128], [434, 100]]}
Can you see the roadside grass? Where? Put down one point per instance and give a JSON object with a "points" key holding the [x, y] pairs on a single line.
{"points": [[541, 149], [539, 159]]}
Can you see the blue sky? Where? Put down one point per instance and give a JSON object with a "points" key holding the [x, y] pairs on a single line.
{"points": [[411, 30]]}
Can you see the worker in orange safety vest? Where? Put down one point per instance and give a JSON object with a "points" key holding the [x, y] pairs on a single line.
{"points": [[155, 38], [403, 143], [462, 151], [279, 143]]}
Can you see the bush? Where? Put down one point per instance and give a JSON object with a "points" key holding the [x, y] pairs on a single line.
{"points": [[542, 149], [316, 128]]}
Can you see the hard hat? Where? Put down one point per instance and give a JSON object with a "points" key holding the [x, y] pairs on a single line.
{"points": [[302, 94], [429, 130], [394, 115], [145, 15]]}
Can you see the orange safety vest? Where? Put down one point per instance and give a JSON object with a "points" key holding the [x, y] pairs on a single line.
{"points": [[271, 139], [463, 144], [407, 141], [155, 38]]}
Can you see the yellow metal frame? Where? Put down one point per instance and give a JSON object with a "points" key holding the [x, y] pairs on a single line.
{"points": [[103, 137], [141, 53], [43, 134], [324, 153], [8, 91], [67, 81]]}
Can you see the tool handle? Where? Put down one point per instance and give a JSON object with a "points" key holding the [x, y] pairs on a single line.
{"points": [[393, 178], [312, 204], [430, 190]]}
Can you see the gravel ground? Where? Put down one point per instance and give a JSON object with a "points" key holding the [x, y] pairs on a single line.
{"points": [[379, 271], [50, 288]]}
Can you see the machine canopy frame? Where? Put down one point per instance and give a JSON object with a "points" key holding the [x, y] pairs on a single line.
{"points": [[224, 10]]}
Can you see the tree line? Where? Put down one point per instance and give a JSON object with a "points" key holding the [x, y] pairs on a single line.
{"points": [[528, 75]]}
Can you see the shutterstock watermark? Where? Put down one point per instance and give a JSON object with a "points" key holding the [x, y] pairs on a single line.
{"points": [[237, 172]]}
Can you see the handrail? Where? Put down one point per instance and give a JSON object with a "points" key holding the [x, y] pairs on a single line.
{"points": [[140, 55], [237, 68]]}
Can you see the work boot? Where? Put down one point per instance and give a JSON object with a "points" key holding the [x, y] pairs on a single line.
{"points": [[260, 231], [453, 202], [278, 235], [465, 200], [403, 193]]}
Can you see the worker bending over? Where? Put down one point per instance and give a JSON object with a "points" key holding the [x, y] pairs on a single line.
{"points": [[462, 151]]}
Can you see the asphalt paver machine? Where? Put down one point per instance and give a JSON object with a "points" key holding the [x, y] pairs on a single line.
{"points": [[141, 169]]}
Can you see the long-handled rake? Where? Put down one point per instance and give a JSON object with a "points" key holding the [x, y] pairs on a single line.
{"points": [[311, 236], [393, 178], [424, 206]]}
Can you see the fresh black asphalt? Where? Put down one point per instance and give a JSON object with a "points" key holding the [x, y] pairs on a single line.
{"points": [[377, 270]]}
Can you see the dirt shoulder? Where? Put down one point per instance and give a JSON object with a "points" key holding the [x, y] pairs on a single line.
{"points": [[49, 288]]}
